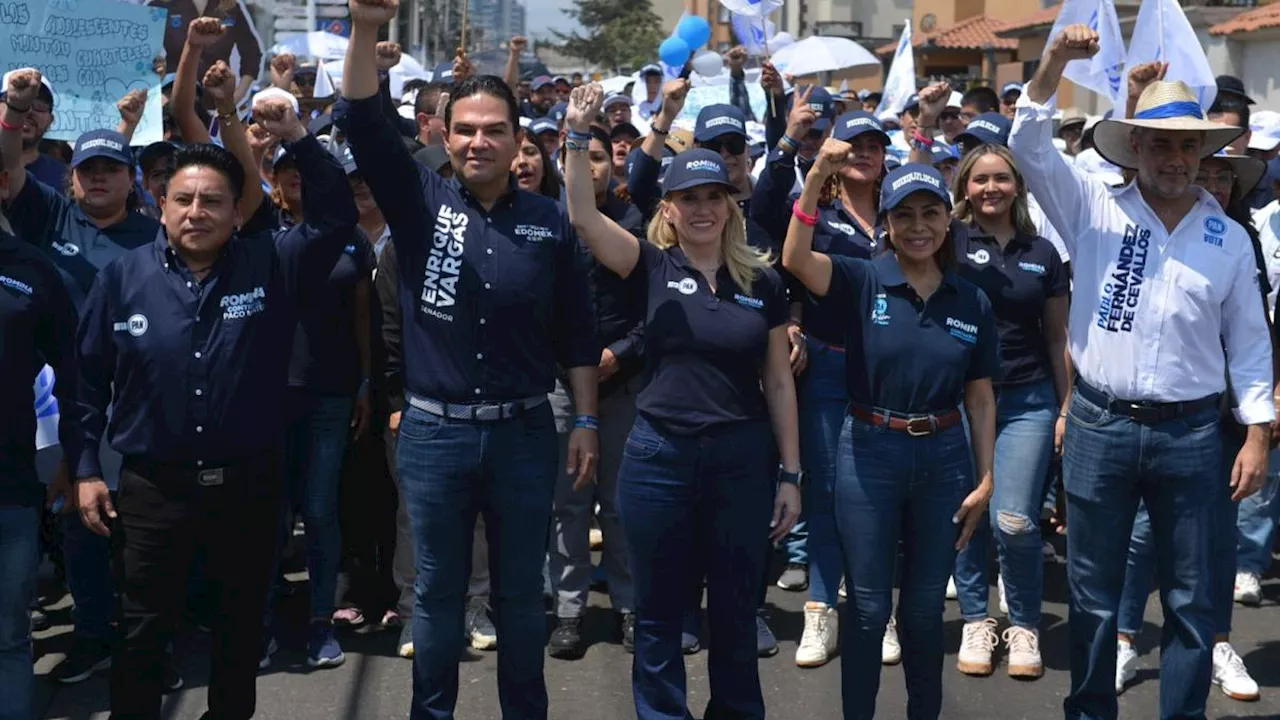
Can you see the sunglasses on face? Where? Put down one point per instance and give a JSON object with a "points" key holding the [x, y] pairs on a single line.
{"points": [[734, 144], [1223, 178]]}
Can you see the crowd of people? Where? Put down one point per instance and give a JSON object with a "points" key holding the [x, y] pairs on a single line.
{"points": [[456, 334]]}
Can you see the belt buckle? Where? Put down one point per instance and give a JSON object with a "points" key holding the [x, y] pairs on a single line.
{"points": [[210, 478], [914, 423]]}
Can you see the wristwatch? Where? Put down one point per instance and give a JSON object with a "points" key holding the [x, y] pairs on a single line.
{"points": [[795, 478]]}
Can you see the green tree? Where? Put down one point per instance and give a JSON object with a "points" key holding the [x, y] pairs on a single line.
{"points": [[616, 33]]}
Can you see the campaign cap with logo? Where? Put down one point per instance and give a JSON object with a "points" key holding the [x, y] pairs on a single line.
{"points": [[987, 129], [557, 113], [859, 122], [616, 98], [823, 104], [717, 120], [543, 125], [695, 168], [540, 82], [908, 180], [107, 144]]}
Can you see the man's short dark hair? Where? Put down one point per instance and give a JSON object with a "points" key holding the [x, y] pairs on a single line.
{"points": [[491, 85], [428, 94], [213, 157], [1231, 103], [982, 99]]}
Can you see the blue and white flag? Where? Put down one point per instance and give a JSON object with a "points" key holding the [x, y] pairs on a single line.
{"points": [[754, 33], [1104, 72], [1163, 33], [752, 8], [900, 83]]}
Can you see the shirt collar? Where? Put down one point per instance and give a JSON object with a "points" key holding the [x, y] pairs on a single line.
{"points": [[508, 198], [977, 233], [890, 275]]}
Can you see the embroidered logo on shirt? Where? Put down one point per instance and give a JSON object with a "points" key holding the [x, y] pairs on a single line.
{"points": [[1117, 306], [18, 285], [1033, 268], [845, 228], [534, 233], [1215, 226], [350, 249], [747, 301], [880, 312], [687, 286], [967, 332], [68, 249], [444, 263], [982, 257], [1213, 240], [243, 305], [136, 325]]}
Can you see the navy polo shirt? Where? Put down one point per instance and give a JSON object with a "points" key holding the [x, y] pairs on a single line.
{"points": [[326, 355], [199, 367], [1018, 281], [704, 351], [908, 355], [37, 326], [491, 300], [79, 249], [51, 172]]}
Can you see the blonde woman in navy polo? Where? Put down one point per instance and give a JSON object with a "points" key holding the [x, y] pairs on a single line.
{"points": [[697, 482], [920, 342]]}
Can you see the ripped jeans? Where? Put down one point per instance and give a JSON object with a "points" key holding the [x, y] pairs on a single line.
{"points": [[1025, 416]]}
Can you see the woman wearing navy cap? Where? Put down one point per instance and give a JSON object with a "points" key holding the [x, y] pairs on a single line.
{"points": [[697, 468], [920, 341], [847, 219]]}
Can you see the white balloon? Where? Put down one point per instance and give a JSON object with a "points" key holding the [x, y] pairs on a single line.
{"points": [[708, 64]]}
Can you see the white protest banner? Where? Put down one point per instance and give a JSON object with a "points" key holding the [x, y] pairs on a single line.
{"points": [[1162, 33], [1104, 72], [900, 83], [93, 52], [718, 94]]}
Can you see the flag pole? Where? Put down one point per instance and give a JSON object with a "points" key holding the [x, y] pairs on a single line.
{"points": [[764, 33], [462, 41]]}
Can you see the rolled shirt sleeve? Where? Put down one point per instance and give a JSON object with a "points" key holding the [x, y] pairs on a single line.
{"points": [[1244, 333]]}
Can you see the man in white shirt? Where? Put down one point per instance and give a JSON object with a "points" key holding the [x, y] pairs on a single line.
{"points": [[1163, 281]]}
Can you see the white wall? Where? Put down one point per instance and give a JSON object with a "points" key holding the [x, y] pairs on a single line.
{"points": [[879, 16], [1257, 70]]}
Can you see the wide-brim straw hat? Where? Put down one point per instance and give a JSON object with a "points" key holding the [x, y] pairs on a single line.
{"points": [[1248, 170], [1163, 106]]}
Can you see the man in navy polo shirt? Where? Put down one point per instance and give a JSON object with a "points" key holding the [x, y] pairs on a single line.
{"points": [[494, 298], [189, 337], [35, 124]]}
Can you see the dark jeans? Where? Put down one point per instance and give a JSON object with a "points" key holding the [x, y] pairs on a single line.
{"points": [[890, 487], [1110, 463], [164, 517], [689, 503], [367, 516], [451, 471], [20, 559], [823, 399]]}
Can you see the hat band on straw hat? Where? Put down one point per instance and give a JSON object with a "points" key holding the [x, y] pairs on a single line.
{"points": [[1177, 109]]}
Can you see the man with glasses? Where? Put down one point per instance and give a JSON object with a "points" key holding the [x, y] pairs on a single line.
{"points": [[950, 122], [46, 169], [1009, 95]]}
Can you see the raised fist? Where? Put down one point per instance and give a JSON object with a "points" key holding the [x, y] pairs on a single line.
{"points": [[23, 87], [584, 106], [933, 100], [673, 95], [204, 31], [388, 55], [831, 157], [283, 68], [1075, 42], [518, 45], [276, 115], [373, 13], [220, 84], [131, 107]]}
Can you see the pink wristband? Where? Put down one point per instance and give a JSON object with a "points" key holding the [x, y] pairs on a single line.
{"points": [[802, 216]]}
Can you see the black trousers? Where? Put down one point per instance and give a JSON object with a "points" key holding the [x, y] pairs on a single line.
{"points": [[367, 516], [165, 515]]}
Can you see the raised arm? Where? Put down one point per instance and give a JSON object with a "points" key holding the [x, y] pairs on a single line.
{"points": [[201, 33], [813, 269], [515, 49], [22, 89], [612, 246], [769, 205], [360, 71], [131, 107], [642, 181], [220, 84], [1139, 78], [933, 100]]}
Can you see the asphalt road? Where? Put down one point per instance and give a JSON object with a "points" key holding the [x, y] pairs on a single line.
{"points": [[374, 683]]}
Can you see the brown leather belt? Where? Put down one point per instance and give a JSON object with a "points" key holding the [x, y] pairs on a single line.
{"points": [[914, 425]]}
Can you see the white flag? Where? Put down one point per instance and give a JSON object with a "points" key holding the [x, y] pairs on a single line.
{"points": [[752, 8], [47, 415], [1163, 33], [754, 33], [1104, 72], [900, 83]]}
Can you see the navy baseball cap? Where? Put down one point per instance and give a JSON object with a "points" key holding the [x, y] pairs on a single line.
{"points": [[1012, 87], [891, 162], [624, 129], [561, 79], [694, 168], [716, 120], [107, 144], [651, 70], [281, 154], [823, 104], [859, 122], [617, 98], [909, 179], [941, 152], [558, 111], [541, 81], [988, 129], [913, 103], [543, 125]]}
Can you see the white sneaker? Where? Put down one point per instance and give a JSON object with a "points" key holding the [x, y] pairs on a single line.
{"points": [[976, 646], [1126, 665], [890, 648], [1004, 605], [821, 634], [844, 592], [480, 631], [1248, 588], [1230, 674], [951, 589], [1024, 652]]}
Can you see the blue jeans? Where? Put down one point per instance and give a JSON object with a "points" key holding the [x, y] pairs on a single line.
{"points": [[1025, 415], [891, 486], [20, 558], [1110, 463], [314, 445], [451, 471], [822, 402], [688, 504], [1256, 526]]}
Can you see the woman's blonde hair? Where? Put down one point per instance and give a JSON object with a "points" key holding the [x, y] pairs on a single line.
{"points": [[963, 210], [744, 262]]}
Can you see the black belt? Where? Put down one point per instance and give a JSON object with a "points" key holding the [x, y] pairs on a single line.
{"points": [[1144, 411], [204, 474]]}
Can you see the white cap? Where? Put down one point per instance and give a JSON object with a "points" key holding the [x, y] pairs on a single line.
{"points": [[1265, 128], [4, 82], [954, 100], [406, 112], [275, 92]]}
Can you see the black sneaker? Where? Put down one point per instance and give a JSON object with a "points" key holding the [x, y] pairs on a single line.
{"points": [[627, 627], [87, 657], [172, 678], [566, 641]]}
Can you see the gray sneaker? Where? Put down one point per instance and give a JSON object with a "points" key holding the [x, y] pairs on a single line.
{"points": [[795, 578], [766, 643], [480, 630]]}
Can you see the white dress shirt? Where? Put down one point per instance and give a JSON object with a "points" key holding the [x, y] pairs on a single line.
{"points": [[1152, 310], [1267, 220]]}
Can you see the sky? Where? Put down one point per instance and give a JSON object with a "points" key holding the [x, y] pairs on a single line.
{"points": [[547, 16]]}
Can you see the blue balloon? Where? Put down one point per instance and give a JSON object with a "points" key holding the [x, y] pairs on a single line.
{"points": [[674, 51], [694, 30]]}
